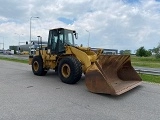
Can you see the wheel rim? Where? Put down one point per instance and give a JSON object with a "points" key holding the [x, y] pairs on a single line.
{"points": [[35, 65], [66, 70]]}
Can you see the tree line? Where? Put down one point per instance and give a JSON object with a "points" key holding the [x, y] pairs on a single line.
{"points": [[142, 52]]}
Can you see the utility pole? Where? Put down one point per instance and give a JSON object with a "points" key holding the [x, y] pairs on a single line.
{"points": [[31, 26]]}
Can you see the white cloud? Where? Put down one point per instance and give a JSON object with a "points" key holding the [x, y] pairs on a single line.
{"points": [[3, 19], [112, 23]]}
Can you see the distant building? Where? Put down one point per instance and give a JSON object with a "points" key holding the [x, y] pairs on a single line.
{"points": [[107, 51], [26, 47], [21, 47]]}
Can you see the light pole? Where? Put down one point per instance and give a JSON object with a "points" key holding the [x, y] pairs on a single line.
{"points": [[88, 37], [18, 41], [2, 43], [30, 26]]}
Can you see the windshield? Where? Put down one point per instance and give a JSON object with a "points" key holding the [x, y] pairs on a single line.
{"points": [[68, 37]]}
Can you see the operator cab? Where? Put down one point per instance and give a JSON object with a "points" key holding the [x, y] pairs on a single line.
{"points": [[60, 37]]}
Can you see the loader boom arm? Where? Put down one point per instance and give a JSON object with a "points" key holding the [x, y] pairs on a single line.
{"points": [[86, 57]]}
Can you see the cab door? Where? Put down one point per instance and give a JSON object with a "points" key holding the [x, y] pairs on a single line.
{"points": [[56, 41]]}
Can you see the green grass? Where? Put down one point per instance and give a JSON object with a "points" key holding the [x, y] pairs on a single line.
{"points": [[150, 62], [150, 78], [137, 59], [14, 60]]}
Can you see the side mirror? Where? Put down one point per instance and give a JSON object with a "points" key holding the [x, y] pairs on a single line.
{"points": [[76, 35]]}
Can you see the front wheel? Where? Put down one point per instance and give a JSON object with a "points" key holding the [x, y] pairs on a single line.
{"points": [[37, 66], [70, 70]]}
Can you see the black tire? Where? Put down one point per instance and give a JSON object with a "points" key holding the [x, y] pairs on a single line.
{"points": [[70, 70], [56, 70], [37, 66], [44, 72]]}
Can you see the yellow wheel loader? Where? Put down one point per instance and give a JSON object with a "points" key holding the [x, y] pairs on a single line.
{"points": [[107, 74]]}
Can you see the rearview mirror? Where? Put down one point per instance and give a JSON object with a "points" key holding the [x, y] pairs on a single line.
{"points": [[76, 35]]}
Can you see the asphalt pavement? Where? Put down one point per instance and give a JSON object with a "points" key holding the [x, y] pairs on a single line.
{"points": [[24, 96]]}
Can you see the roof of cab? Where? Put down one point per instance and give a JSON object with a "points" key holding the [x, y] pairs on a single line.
{"points": [[62, 28]]}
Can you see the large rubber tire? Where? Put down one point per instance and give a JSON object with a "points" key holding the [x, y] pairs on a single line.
{"points": [[37, 66], [70, 70]]}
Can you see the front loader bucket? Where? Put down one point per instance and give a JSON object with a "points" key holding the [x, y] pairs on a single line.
{"points": [[112, 74]]}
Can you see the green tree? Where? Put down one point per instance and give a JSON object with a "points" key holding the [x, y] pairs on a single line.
{"points": [[121, 52], [125, 52], [157, 51], [142, 52], [148, 53]]}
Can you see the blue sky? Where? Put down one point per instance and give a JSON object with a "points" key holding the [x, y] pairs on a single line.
{"points": [[65, 20], [131, 1], [115, 24]]}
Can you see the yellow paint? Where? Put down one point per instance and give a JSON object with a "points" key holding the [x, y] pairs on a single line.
{"points": [[84, 55]]}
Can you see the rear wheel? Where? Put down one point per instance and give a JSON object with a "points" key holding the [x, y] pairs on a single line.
{"points": [[37, 66], [70, 70]]}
